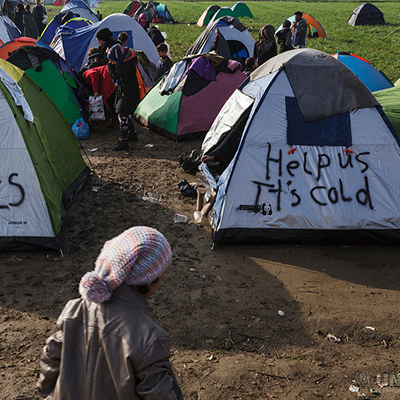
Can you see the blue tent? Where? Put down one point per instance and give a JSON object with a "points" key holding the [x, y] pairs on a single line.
{"points": [[372, 78], [73, 44]]}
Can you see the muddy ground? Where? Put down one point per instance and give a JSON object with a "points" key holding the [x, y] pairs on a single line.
{"points": [[221, 307]]}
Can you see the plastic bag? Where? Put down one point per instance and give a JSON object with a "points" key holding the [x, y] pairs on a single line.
{"points": [[96, 108], [81, 129]]}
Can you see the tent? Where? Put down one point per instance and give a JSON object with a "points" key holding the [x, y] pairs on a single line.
{"points": [[43, 168], [237, 37], [132, 7], [45, 67], [207, 15], [65, 18], [80, 9], [73, 45], [372, 78], [214, 12], [367, 14], [7, 48], [314, 28], [313, 162], [184, 104], [8, 30], [389, 99], [155, 11]]}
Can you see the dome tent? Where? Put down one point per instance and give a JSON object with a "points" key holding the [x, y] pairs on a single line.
{"points": [[366, 14], [316, 162], [44, 166]]}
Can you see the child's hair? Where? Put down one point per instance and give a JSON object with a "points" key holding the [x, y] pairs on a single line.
{"points": [[27, 7], [93, 50], [123, 37], [162, 47], [250, 62], [286, 24]]}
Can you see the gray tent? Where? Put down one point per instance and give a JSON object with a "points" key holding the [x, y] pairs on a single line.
{"points": [[367, 14]]}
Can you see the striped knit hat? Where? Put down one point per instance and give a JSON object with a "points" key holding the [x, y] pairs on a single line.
{"points": [[137, 256]]}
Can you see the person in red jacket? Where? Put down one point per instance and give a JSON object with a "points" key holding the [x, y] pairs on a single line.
{"points": [[100, 80]]}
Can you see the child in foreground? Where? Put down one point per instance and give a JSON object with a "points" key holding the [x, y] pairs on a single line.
{"points": [[107, 346]]}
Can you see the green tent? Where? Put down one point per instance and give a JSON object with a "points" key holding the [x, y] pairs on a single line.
{"points": [[390, 102], [47, 72], [42, 166]]}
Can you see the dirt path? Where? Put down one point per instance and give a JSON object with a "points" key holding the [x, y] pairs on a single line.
{"points": [[221, 307]]}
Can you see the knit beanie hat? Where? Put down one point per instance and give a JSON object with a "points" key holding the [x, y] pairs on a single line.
{"points": [[104, 34], [137, 256]]}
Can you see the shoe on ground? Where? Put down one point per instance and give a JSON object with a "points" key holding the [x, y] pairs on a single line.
{"points": [[122, 145]]}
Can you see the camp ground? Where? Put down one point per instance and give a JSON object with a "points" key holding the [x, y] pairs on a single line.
{"points": [[314, 28], [372, 78], [8, 30], [73, 45], [308, 168], [367, 14], [44, 170], [185, 102], [214, 12], [240, 44]]}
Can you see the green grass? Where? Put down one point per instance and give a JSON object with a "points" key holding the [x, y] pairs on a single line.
{"points": [[378, 44]]}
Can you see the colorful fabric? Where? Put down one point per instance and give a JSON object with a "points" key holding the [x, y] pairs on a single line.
{"points": [[136, 257]]}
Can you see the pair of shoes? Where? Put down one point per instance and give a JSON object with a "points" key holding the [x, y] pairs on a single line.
{"points": [[122, 145], [132, 136]]}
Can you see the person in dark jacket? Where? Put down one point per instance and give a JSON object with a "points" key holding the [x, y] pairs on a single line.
{"points": [[30, 27], [40, 15], [164, 63], [122, 62], [285, 37], [265, 48], [19, 17], [299, 31], [156, 36], [107, 346], [105, 40]]}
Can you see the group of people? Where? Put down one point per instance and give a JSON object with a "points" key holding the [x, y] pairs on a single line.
{"points": [[30, 23], [111, 72], [266, 46]]}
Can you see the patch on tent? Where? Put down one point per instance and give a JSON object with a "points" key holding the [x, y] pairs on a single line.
{"points": [[330, 131]]}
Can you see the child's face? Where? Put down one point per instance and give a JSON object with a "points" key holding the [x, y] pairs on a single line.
{"points": [[112, 62], [161, 53]]}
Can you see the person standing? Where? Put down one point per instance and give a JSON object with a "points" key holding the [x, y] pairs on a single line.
{"points": [[30, 27], [122, 62], [265, 48], [164, 63], [105, 40], [39, 13], [99, 15], [19, 17], [285, 37], [299, 31], [107, 346]]}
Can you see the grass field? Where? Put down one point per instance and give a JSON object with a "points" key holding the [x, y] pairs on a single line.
{"points": [[378, 44]]}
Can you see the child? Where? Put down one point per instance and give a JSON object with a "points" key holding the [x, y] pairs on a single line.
{"points": [[122, 63], [165, 63], [285, 37], [108, 347], [250, 65]]}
